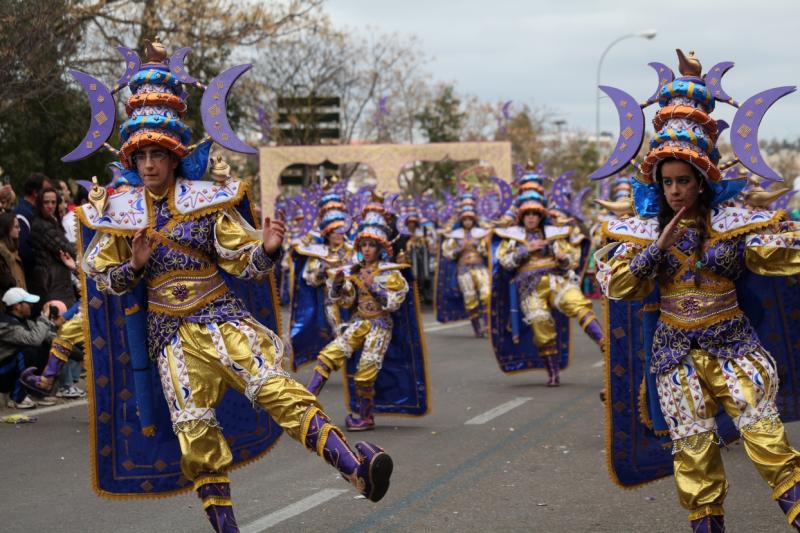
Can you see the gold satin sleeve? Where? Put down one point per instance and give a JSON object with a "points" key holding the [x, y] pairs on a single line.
{"points": [[775, 254], [235, 242], [107, 252], [616, 277], [506, 254], [571, 251], [450, 249]]}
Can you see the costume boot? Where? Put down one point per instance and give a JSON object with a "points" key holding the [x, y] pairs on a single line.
{"points": [[708, 524], [368, 468], [364, 421], [595, 332], [42, 384], [319, 378], [215, 492], [477, 327], [790, 505], [553, 371]]}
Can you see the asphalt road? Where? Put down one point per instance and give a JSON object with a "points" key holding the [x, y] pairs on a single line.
{"points": [[531, 459]]}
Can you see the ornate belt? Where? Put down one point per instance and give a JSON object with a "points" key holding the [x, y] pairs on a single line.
{"points": [[470, 257], [693, 309], [369, 308], [537, 264], [181, 293]]}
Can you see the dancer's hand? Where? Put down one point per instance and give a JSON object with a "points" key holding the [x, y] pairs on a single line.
{"points": [[535, 246], [671, 232], [142, 248], [338, 278], [273, 234]]}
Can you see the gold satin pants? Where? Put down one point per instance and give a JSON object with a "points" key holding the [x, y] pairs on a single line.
{"points": [[199, 365], [690, 395], [474, 286], [553, 292], [370, 335]]}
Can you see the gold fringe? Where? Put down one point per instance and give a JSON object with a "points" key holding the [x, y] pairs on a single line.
{"points": [[777, 216], [305, 423], [218, 501], [644, 411], [786, 484], [792, 514], [323, 438], [205, 480], [706, 510]]}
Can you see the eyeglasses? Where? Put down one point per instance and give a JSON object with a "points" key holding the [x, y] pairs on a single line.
{"points": [[156, 155]]}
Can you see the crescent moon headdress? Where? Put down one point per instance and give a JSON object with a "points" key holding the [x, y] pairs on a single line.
{"points": [[155, 111], [685, 130]]}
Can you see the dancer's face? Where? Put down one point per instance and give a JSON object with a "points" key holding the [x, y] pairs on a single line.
{"points": [[531, 220], [156, 166], [680, 184], [335, 239], [468, 222], [369, 250]]}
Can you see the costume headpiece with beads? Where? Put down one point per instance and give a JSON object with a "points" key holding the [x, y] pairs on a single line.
{"points": [[684, 130], [156, 109]]}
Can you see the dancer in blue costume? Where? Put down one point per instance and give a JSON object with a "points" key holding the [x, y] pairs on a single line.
{"points": [[699, 267], [178, 304]]}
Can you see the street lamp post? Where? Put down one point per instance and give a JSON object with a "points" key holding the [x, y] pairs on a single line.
{"points": [[646, 34]]}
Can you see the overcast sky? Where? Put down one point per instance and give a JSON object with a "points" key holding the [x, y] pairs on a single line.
{"points": [[546, 52]]}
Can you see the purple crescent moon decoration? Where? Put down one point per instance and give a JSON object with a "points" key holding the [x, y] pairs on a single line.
{"points": [[506, 196], [104, 115], [713, 78], [132, 64], [744, 130], [213, 110], [665, 76], [631, 126], [177, 67]]}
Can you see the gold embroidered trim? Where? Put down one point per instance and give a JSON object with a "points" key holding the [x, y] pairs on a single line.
{"points": [[215, 478], [706, 510], [786, 484], [218, 501]]}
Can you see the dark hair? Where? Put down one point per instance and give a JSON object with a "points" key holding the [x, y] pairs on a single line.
{"points": [[81, 195], [665, 212], [6, 225], [40, 201], [34, 183]]}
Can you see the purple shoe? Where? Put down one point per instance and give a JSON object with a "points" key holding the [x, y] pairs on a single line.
{"points": [[709, 524], [372, 475], [36, 383]]}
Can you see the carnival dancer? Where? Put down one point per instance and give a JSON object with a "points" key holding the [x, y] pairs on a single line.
{"points": [[315, 318], [191, 270], [538, 255], [416, 242], [466, 248], [384, 326], [705, 332]]}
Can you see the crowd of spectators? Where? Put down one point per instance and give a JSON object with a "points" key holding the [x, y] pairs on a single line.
{"points": [[37, 283]]}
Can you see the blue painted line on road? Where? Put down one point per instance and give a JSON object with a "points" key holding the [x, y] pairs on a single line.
{"points": [[372, 522]]}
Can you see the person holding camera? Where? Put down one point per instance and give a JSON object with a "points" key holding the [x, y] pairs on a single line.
{"points": [[24, 342]]}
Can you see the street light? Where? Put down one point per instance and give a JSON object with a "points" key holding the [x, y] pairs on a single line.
{"points": [[645, 34]]}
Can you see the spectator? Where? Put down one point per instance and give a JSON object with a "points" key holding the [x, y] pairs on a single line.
{"points": [[64, 192], [7, 198], [25, 210], [54, 254], [69, 221], [11, 272], [23, 342]]}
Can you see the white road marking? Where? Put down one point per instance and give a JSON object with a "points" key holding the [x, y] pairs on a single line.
{"points": [[598, 364], [273, 519], [446, 326], [497, 411]]}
